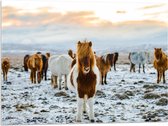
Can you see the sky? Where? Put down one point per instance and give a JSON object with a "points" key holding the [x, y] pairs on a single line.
{"points": [[104, 22]]}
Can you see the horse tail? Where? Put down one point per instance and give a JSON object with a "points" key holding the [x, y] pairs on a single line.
{"points": [[129, 56]]}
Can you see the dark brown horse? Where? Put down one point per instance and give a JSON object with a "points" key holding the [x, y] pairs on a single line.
{"points": [[116, 54], [45, 64], [35, 64], [26, 57]]}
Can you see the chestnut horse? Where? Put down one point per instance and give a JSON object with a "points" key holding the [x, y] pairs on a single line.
{"points": [[35, 64], [84, 79], [104, 64], [160, 64], [26, 57], [5, 68]]}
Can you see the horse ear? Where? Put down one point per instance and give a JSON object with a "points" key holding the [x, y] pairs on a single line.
{"points": [[155, 48], [160, 49], [79, 42], [90, 44]]}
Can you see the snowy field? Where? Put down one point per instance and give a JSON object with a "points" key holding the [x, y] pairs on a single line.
{"points": [[128, 97]]}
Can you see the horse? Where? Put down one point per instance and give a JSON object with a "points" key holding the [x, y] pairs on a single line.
{"points": [[104, 63], [26, 57], [160, 64], [45, 64], [35, 64], [84, 78], [59, 65], [5, 67], [116, 54], [138, 58]]}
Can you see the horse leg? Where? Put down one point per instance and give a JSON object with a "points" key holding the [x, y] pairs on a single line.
{"points": [[144, 68], [34, 77], [114, 66], [3, 75], [45, 75], [6, 75], [134, 68], [102, 80], [31, 76], [164, 81], [161, 74], [91, 109], [105, 79], [66, 88], [157, 76], [80, 102], [60, 79], [139, 68], [130, 67], [84, 106]]}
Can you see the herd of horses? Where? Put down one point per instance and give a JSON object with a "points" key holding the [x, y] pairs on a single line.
{"points": [[84, 70]]}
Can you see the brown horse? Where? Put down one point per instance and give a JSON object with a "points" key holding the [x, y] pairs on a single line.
{"points": [[104, 64], [160, 64], [5, 68], [26, 57], [35, 64], [84, 78]]}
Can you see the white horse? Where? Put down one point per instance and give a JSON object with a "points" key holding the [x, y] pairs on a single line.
{"points": [[59, 65], [139, 58]]}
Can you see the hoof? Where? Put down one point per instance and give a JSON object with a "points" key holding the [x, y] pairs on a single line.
{"points": [[59, 88], [78, 120], [157, 81], [55, 86], [66, 88], [164, 82], [84, 111], [92, 120]]}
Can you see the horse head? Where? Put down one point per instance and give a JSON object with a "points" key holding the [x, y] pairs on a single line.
{"points": [[158, 53], [85, 56]]}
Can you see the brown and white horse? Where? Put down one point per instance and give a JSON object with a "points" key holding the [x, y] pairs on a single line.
{"points": [[160, 64], [84, 79], [35, 63], [5, 68]]}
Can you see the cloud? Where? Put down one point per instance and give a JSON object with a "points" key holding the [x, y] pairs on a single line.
{"points": [[44, 16], [153, 6], [120, 12]]}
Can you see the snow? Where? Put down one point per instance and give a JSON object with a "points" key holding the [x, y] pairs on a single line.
{"points": [[26, 103]]}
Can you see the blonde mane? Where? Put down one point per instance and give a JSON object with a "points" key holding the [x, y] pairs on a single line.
{"points": [[85, 49]]}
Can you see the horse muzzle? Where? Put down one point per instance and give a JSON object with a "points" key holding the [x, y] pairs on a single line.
{"points": [[86, 70]]}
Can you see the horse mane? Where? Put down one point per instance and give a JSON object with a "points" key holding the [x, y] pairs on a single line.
{"points": [[84, 49]]}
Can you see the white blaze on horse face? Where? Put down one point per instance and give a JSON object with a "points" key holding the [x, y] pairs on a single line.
{"points": [[86, 70]]}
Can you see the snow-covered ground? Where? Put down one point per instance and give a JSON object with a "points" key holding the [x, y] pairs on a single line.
{"points": [[128, 97]]}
